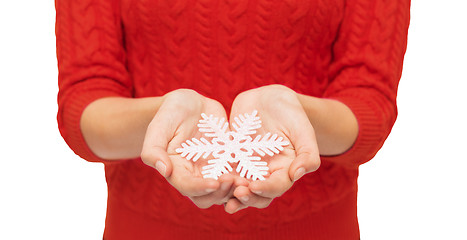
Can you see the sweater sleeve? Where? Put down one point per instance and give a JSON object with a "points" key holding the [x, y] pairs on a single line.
{"points": [[365, 73], [91, 63]]}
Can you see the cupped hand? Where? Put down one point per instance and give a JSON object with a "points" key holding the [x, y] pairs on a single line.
{"points": [[281, 113], [175, 122]]}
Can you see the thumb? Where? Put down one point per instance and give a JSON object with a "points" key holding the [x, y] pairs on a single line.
{"points": [[157, 158], [305, 162], [154, 152], [306, 149]]}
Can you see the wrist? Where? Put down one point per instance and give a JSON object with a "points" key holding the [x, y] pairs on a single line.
{"points": [[114, 127], [335, 124]]}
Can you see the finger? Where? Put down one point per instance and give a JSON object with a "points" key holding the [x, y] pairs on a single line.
{"points": [[247, 198], [304, 163], [233, 205], [240, 181], [274, 186], [154, 153], [220, 196], [226, 188], [157, 158], [306, 149], [191, 186]]}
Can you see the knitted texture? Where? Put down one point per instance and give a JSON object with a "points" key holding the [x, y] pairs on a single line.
{"points": [[348, 50]]}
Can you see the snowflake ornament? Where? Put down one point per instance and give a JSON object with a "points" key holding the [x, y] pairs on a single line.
{"points": [[232, 146]]}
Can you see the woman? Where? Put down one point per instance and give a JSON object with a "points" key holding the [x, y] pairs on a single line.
{"points": [[135, 76]]}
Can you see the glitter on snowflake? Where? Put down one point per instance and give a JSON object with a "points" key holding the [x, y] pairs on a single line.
{"points": [[232, 146]]}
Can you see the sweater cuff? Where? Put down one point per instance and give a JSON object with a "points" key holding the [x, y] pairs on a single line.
{"points": [[69, 120], [372, 130]]}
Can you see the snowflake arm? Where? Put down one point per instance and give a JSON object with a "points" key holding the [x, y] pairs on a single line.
{"points": [[197, 148], [246, 124], [267, 144], [213, 127], [252, 167], [216, 168]]}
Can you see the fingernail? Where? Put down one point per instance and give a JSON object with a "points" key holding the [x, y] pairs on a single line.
{"points": [[244, 198], [210, 190], [256, 192], [238, 209], [298, 174], [160, 166]]}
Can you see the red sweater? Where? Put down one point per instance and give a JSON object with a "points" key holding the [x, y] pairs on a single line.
{"points": [[348, 50]]}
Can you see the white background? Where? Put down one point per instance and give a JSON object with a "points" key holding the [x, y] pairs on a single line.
{"points": [[416, 187]]}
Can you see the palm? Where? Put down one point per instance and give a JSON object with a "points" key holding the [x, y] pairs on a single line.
{"points": [[274, 121], [188, 129], [175, 122], [281, 113]]}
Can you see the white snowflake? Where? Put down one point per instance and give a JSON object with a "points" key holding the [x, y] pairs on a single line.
{"points": [[232, 146]]}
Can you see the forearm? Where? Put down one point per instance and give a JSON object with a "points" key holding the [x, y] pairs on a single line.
{"points": [[114, 127], [335, 125]]}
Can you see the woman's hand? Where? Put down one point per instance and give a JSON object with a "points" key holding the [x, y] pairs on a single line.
{"points": [[282, 113], [174, 123]]}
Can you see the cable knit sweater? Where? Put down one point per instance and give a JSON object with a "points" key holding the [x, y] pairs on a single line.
{"points": [[348, 50]]}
